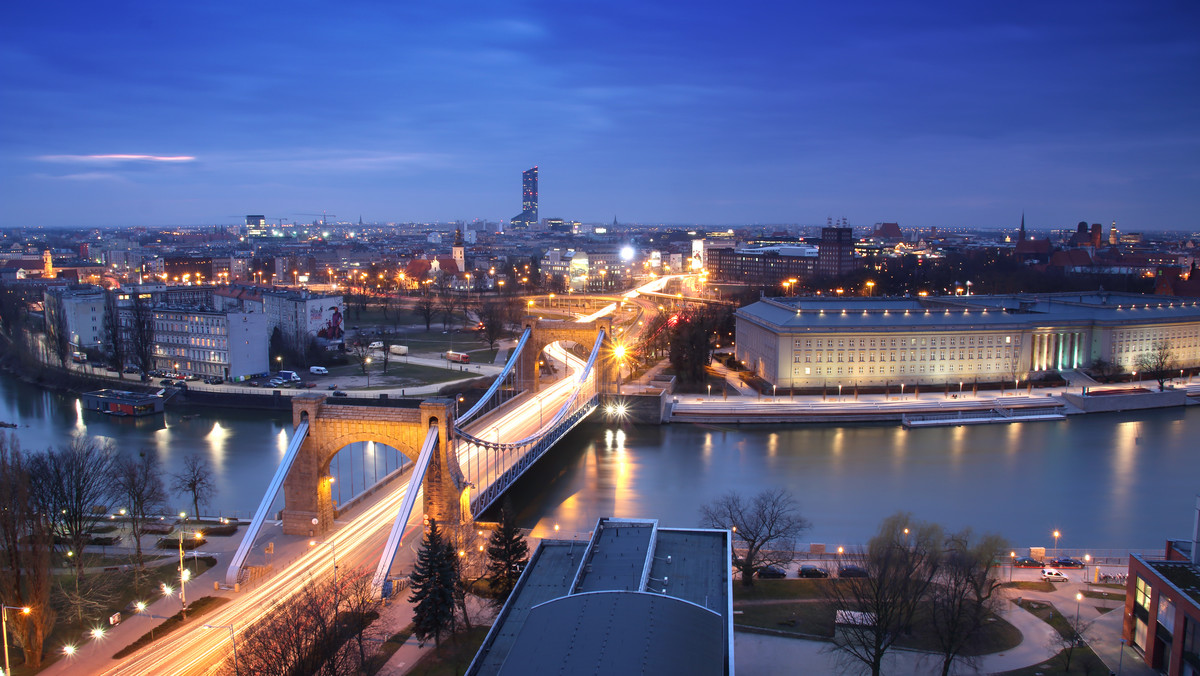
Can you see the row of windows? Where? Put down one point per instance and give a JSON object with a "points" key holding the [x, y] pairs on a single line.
{"points": [[907, 342], [893, 370], [911, 355]]}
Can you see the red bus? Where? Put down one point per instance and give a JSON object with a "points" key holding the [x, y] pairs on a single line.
{"points": [[458, 357]]}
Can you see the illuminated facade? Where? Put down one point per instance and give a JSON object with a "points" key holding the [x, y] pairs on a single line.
{"points": [[816, 342], [529, 201]]}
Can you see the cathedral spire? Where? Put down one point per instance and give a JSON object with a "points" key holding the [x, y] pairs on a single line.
{"points": [[1021, 234]]}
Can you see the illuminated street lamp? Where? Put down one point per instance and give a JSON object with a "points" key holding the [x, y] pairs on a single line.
{"points": [[870, 288], [1056, 536], [367, 369], [4, 624]]}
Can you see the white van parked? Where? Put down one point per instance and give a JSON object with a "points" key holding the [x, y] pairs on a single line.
{"points": [[318, 370], [376, 345]]}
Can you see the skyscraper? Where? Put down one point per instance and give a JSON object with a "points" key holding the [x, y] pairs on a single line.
{"points": [[529, 200]]}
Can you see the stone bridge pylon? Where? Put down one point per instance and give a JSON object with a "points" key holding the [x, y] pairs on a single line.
{"points": [[334, 423], [547, 331]]}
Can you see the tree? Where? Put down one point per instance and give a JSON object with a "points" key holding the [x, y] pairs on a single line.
{"points": [[507, 554], [1069, 637], [434, 582], [964, 595], [360, 354], [195, 480], [901, 562], [1157, 363], [491, 316], [426, 307], [57, 333], [75, 483], [141, 334], [386, 354], [25, 543], [114, 339], [447, 304], [691, 344], [140, 486], [766, 526]]}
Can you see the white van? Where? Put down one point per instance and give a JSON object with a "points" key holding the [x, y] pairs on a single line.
{"points": [[318, 370], [288, 376], [1053, 575], [376, 345]]}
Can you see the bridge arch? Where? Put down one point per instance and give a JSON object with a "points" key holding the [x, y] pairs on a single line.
{"points": [[335, 424], [544, 332]]}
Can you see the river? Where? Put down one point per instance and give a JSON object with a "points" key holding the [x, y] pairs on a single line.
{"points": [[1104, 481]]}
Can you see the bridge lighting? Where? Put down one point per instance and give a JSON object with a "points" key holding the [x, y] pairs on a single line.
{"points": [[68, 650], [97, 633]]}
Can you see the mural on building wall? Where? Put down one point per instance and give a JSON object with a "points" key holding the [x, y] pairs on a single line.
{"points": [[332, 329]]}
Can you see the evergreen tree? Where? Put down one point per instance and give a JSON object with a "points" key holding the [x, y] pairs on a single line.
{"points": [[507, 555], [434, 582]]}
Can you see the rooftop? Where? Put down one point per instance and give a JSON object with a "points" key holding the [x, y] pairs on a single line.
{"points": [[1183, 574]]}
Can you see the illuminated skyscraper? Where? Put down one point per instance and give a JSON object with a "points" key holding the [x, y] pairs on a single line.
{"points": [[529, 200]]}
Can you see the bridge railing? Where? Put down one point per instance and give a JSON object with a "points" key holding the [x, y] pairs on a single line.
{"points": [[509, 368]]}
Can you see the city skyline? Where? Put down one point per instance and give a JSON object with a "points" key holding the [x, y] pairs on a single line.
{"points": [[943, 115]]}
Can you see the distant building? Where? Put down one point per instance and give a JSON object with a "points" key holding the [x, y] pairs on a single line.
{"points": [[208, 342], [301, 315], [763, 266], [634, 599], [1162, 606], [835, 252], [83, 310], [529, 201], [888, 232]]}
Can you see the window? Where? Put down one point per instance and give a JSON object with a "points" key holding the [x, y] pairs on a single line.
{"points": [[807, 371]]}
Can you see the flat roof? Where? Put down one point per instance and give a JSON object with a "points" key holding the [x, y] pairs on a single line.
{"points": [[616, 558], [1183, 574], [123, 396]]}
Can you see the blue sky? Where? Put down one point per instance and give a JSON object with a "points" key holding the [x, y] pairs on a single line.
{"points": [[939, 113]]}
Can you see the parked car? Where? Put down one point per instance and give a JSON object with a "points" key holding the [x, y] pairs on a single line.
{"points": [[310, 384], [252, 383], [274, 382], [167, 382], [318, 370], [809, 570], [1026, 562], [192, 377], [375, 345], [770, 573], [110, 368], [214, 380], [131, 369], [1066, 562], [332, 387], [339, 393], [1052, 575], [853, 571]]}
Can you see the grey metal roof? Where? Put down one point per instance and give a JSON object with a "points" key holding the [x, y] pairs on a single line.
{"points": [[616, 558], [618, 633]]}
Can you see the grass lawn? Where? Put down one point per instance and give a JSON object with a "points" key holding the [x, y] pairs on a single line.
{"points": [[778, 590], [1104, 595], [1083, 660], [453, 657], [400, 374], [1035, 585]]}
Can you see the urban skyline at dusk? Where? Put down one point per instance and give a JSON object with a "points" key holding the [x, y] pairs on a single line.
{"points": [[939, 114]]}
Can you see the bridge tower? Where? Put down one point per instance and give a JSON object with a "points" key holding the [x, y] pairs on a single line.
{"points": [[547, 331], [333, 424]]}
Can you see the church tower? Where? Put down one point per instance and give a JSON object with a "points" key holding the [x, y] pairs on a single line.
{"points": [[48, 265], [1021, 234], [459, 251]]}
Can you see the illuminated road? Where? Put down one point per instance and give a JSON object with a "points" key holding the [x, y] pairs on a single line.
{"points": [[358, 543]]}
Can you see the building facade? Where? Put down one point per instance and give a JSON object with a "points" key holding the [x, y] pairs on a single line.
{"points": [[83, 311], [301, 315], [835, 252], [763, 266], [529, 201], [816, 342], [206, 342]]}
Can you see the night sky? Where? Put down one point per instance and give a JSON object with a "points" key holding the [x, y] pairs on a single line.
{"points": [[946, 114]]}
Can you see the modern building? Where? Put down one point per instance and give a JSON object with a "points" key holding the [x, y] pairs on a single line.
{"points": [[634, 599], [835, 255], [762, 266], [208, 342], [820, 341], [529, 201], [1162, 606]]}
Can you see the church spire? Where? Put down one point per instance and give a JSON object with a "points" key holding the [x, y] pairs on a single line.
{"points": [[1021, 234]]}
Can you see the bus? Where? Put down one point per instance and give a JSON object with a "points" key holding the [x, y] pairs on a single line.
{"points": [[458, 357]]}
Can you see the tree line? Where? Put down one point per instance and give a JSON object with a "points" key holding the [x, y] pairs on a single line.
{"points": [[51, 502]]}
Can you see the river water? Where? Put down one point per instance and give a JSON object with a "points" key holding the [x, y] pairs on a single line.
{"points": [[1104, 481]]}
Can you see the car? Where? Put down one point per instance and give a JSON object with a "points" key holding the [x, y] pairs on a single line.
{"points": [[1026, 562], [131, 369], [214, 380], [853, 571], [770, 573], [318, 370], [252, 383], [310, 384], [110, 368], [809, 570], [332, 387], [274, 382], [1052, 575], [1066, 562], [339, 393]]}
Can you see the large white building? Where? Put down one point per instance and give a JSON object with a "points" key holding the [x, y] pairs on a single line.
{"points": [[818, 342], [301, 315], [83, 308]]}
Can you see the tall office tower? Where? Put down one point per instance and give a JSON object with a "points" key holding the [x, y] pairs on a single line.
{"points": [[529, 200], [835, 252]]}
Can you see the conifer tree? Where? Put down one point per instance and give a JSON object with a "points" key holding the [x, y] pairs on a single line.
{"points": [[434, 581], [507, 555]]}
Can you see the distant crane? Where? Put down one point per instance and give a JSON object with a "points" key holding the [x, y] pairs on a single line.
{"points": [[323, 216]]}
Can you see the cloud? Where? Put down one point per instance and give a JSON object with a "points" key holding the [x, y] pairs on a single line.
{"points": [[115, 159], [84, 176]]}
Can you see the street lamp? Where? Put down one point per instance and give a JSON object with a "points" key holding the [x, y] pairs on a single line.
{"points": [[367, 370], [1056, 536], [1012, 562], [870, 288], [4, 624], [1078, 598], [232, 640]]}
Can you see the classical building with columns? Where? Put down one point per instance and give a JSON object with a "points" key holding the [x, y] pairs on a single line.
{"points": [[816, 342]]}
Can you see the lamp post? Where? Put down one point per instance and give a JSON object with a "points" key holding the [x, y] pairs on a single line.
{"points": [[4, 624], [367, 369], [232, 640], [1078, 598], [1012, 562], [1056, 536]]}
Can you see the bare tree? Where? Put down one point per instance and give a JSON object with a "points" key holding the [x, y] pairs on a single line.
{"points": [[141, 334], [491, 316], [766, 526], [1157, 363], [964, 595], [140, 486], [901, 562], [75, 483], [1069, 637], [114, 338], [387, 340], [301, 635], [447, 303], [195, 480], [25, 543], [426, 307], [360, 354], [57, 333]]}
